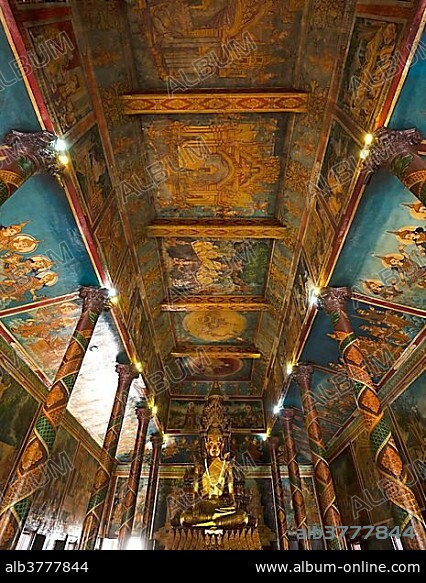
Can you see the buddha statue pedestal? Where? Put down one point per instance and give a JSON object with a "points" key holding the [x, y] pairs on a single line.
{"points": [[199, 539]]}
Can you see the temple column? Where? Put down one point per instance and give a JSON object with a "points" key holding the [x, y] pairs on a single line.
{"points": [[24, 154], [397, 150], [330, 514], [393, 477], [278, 495], [297, 497], [92, 522], [30, 472], [128, 516], [151, 492]]}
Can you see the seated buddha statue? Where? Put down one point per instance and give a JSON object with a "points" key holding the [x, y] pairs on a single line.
{"points": [[214, 501], [214, 489]]}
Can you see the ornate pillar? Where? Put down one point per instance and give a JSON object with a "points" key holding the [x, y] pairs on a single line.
{"points": [[126, 374], [24, 154], [151, 492], [330, 514], [278, 495], [297, 497], [31, 466], [393, 477], [397, 150], [128, 516]]}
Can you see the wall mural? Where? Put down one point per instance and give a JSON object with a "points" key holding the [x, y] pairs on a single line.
{"points": [[312, 514], [116, 512], [110, 235], [409, 410], [62, 75], [338, 169], [185, 415], [202, 388], [45, 333], [17, 409], [217, 267], [215, 168], [212, 326], [91, 170], [368, 68], [41, 252], [43, 517], [319, 235], [244, 39]]}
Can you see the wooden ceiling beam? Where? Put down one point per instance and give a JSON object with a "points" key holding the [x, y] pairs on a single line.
{"points": [[278, 100], [209, 303], [213, 351], [218, 228]]}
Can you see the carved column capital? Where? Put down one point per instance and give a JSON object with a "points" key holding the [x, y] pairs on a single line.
{"points": [[38, 146], [143, 414], [333, 299], [388, 144], [95, 299], [302, 374], [157, 440], [126, 374], [286, 417]]}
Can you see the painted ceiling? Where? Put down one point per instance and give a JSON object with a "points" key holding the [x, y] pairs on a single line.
{"points": [[194, 306]]}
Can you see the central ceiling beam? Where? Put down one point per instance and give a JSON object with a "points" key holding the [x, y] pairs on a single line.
{"points": [[218, 228], [209, 303], [213, 351], [278, 100]]}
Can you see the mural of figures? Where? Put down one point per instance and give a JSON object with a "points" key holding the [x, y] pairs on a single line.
{"points": [[110, 235], [249, 449], [182, 449], [116, 512], [338, 169], [318, 238], [221, 169], [45, 333], [409, 410], [202, 388], [185, 415], [17, 409], [55, 45], [368, 69], [312, 515], [43, 516], [215, 326], [348, 490], [245, 39], [216, 267], [302, 288], [91, 169]]}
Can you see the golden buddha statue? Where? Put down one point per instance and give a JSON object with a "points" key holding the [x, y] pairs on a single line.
{"points": [[215, 504]]}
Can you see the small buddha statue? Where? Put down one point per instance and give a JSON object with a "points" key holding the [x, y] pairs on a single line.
{"points": [[215, 487]]}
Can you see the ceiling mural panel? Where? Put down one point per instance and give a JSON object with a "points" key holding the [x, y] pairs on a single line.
{"points": [[215, 267], [215, 166], [368, 69], [224, 326], [202, 388], [44, 333], [41, 252], [205, 368], [225, 43]]}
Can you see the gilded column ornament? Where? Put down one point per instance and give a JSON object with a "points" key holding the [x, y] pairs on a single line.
{"points": [[330, 514], [31, 466], [297, 497], [393, 477], [397, 150], [278, 495], [126, 374], [130, 499], [24, 154]]}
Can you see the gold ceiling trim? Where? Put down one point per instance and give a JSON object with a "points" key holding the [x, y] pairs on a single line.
{"points": [[213, 351], [218, 229], [208, 303]]}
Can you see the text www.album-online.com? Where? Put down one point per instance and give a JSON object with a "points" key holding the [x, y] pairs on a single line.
{"points": [[362, 567]]}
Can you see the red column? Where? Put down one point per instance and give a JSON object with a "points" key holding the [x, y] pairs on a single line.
{"points": [[278, 495], [297, 497], [126, 374], [397, 150], [151, 492], [128, 516], [38, 447], [24, 154], [393, 477], [330, 514]]}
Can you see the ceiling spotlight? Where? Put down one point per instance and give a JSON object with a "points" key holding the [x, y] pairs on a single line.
{"points": [[138, 366], [60, 145], [364, 154], [313, 296], [264, 436], [155, 410], [277, 409], [368, 140], [289, 368], [63, 159]]}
